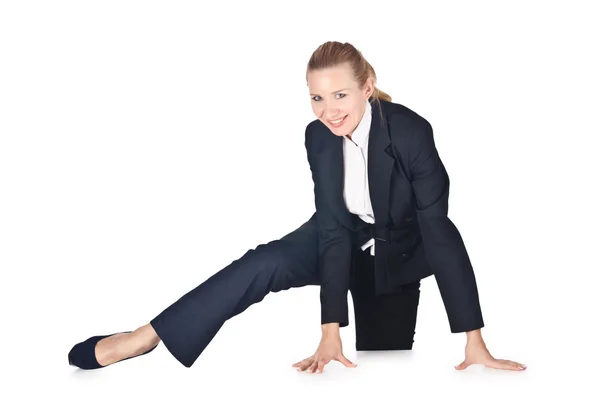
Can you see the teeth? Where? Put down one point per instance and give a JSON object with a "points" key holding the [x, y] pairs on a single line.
{"points": [[337, 121]]}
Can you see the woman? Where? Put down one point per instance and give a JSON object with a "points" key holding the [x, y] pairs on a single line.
{"points": [[380, 187]]}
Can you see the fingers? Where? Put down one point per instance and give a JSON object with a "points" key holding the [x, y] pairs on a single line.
{"points": [[302, 365], [316, 364], [312, 365], [299, 363], [496, 364], [509, 365], [345, 361], [321, 366]]}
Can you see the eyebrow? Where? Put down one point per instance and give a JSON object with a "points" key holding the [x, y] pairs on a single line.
{"points": [[335, 92]]}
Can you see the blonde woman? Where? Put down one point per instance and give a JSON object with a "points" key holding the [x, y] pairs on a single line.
{"points": [[381, 225]]}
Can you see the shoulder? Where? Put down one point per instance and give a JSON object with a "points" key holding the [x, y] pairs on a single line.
{"points": [[317, 136], [402, 118], [308, 133], [313, 125], [408, 129]]}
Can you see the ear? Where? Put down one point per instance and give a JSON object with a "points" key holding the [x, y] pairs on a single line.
{"points": [[369, 87]]}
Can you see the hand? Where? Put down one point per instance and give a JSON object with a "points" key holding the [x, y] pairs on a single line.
{"points": [[477, 353], [329, 349]]}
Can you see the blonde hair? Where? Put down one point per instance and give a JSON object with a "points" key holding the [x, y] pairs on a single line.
{"points": [[334, 53]]}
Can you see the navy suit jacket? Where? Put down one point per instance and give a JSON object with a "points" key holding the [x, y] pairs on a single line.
{"points": [[414, 238]]}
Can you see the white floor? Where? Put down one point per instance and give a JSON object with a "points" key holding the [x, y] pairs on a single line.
{"points": [[145, 145], [253, 353]]}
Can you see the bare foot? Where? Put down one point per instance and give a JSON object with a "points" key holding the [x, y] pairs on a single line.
{"points": [[123, 345]]}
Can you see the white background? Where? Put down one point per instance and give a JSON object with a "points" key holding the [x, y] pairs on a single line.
{"points": [[145, 145]]}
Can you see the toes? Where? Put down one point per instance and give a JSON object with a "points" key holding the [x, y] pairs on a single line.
{"points": [[461, 366], [519, 366]]}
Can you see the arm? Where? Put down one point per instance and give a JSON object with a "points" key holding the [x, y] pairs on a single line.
{"points": [[334, 255], [334, 274], [444, 247]]}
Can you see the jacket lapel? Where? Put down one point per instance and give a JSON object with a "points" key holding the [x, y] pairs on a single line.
{"points": [[332, 183], [380, 165]]}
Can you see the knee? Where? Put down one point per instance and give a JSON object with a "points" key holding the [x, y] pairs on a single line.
{"points": [[265, 258], [276, 263]]}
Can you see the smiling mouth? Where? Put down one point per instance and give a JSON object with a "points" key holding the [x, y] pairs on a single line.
{"points": [[338, 122]]}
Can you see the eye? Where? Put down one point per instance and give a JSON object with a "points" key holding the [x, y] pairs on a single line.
{"points": [[317, 98]]}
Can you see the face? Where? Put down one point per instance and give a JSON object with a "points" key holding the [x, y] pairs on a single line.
{"points": [[336, 98]]}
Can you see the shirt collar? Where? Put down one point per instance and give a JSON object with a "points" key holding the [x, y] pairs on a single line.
{"points": [[361, 133]]}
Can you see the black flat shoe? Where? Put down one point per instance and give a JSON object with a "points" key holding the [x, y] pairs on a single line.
{"points": [[83, 354]]}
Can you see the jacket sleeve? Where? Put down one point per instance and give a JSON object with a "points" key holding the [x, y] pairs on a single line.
{"points": [[334, 243], [444, 248]]}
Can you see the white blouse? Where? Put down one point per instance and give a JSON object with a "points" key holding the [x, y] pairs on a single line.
{"points": [[356, 178]]}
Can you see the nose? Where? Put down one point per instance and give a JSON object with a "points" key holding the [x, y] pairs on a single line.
{"points": [[330, 114]]}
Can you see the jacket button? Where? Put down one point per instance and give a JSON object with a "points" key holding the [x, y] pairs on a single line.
{"points": [[405, 255]]}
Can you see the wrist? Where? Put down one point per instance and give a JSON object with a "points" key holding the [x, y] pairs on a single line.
{"points": [[330, 328]]}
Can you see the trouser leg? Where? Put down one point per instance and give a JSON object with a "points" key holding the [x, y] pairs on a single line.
{"points": [[188, 325], [383, 322]]}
